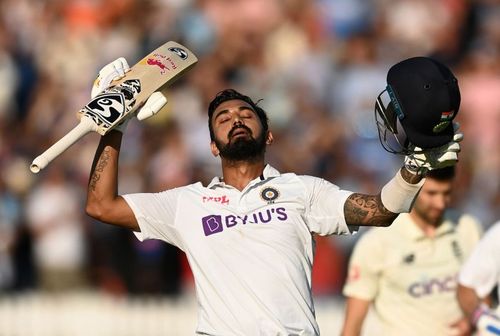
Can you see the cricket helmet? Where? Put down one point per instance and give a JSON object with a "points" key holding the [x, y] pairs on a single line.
{"points": [[418, 106]]}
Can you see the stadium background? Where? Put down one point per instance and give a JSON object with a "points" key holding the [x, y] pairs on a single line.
{"points": [[317, 65]]}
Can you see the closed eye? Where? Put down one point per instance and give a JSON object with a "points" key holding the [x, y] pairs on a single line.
{"points": [[223, 117], [247, 113]]}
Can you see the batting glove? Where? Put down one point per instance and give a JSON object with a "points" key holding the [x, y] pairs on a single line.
{"points": [[421, 161], [486, 321], [110, 72], [115, 71], [152, 106]]}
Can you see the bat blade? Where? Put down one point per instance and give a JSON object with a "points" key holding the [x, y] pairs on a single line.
{"points": [[158, 69], [107, 110]]}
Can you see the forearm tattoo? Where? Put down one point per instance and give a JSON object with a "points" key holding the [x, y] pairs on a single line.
{"points": [[101, 164], [410, 177], [367, 210]]}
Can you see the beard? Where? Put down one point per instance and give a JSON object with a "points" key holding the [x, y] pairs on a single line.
{"points": [[243, 148], [434, 218]]}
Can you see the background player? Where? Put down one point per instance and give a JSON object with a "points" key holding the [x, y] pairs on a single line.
{"points": [[248, 235], [479, 275], [408, 271]]}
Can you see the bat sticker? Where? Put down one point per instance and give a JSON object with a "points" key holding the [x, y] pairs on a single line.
{"points": [[111, 105], [179, 52], [106, 108]]}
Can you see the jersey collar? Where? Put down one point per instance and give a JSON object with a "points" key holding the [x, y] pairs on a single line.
{"points": [[268, 172]]}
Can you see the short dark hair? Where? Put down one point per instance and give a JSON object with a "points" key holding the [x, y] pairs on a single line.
{"points": [[442, 174], [231, 94]]}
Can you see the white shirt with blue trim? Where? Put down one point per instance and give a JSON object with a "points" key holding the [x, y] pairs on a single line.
{"points": [[251, 251]]}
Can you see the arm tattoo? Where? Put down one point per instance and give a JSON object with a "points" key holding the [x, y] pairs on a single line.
{"points": [[367, 210], [101, 164], [410, 177]]}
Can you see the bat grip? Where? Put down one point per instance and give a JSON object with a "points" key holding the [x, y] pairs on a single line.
{"points": [[84, 126]]}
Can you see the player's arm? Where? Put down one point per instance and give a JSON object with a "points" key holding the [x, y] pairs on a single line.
{"points": [[483, 319], [373, 210], [103, 201], [398, 195], [355, 314], [468, 300]]}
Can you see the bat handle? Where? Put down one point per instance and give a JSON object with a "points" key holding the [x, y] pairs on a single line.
{"points": [[84, 126]]}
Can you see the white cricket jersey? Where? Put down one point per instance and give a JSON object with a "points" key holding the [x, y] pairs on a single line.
{"points": [[251, 251], [409, 277], [482, 270]]}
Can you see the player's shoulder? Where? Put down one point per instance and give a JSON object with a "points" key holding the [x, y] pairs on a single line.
{"points": [[299, 180], [189, 188], [467, 228], [378, 235], [307, 178], [309, 181], [295, 181], [464, 222], [198, 188], [397, 231], [493, 231], [374, 242], [495, 227]]}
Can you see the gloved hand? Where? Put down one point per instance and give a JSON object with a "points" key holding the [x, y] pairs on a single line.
{"points": [[152, 106], [115, 71], [420, 162], [486, 321], [110, 72]]}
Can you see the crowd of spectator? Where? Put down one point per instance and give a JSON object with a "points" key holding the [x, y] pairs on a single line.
{"points": [[317, 65]]}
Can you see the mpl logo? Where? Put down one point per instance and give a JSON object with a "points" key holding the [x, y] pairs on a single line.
{"points": [[222, 199]]}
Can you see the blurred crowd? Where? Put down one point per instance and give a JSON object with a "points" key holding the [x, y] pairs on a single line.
{"points": [[316, 65]]}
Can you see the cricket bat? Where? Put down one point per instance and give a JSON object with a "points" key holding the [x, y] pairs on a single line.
{"points": [[124, 97]]}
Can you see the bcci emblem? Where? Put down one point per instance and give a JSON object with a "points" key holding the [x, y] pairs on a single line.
{"points": [[446, 118], [269, 194]]}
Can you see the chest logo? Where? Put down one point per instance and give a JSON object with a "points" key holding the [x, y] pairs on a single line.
{"points": [[213, 224], [269, 194], [221, 199]]}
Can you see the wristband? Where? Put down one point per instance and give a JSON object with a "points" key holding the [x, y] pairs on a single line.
{"points": [[398, 195]]}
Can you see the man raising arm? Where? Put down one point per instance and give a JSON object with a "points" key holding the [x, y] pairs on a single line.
{"points": [[249, 234]]}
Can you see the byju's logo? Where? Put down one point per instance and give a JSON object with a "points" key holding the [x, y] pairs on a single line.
{"points": [[212, 224], [216, 223]]}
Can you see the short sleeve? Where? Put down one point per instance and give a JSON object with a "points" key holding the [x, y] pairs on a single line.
{"points": [[156, 214], [481, 271], [363, 274], [325, 207]]}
